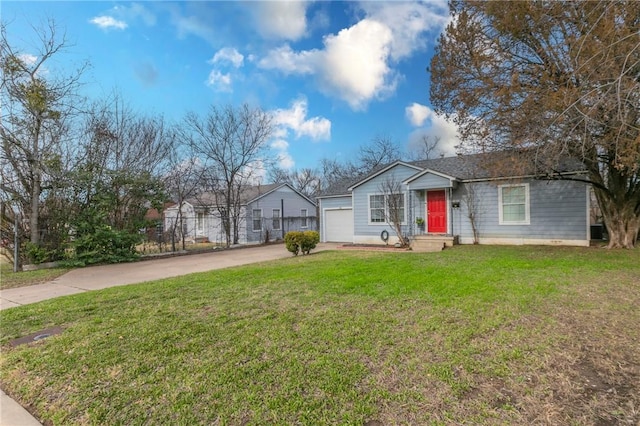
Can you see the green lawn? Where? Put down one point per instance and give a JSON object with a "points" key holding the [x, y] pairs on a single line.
{"points": [[473, 335], [10, 279]]}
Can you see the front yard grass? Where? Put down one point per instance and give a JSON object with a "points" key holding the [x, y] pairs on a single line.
{"points": [[10, 279], [471, 335]]}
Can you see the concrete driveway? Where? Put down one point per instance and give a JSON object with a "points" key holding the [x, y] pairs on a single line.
{"points": [[99, 277]]}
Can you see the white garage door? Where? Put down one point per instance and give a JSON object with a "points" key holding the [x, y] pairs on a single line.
{"points": [[338, 225]]}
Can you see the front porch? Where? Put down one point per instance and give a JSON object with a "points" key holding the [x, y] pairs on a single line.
{"points": [[431, 242]]}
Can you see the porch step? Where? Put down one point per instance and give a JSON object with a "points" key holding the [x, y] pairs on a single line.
{"points": [[430, 243]]}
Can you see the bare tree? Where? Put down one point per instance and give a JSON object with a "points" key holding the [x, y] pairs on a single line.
{"points": [[306, 181], [231, 143], [551, 80], [426, 149], [380, 151], [183, 180], [392, 204], [123, 156], [38, 105]]}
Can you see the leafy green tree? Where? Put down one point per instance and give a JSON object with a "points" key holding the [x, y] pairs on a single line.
{"points": [[552, 80], [117, 177]]}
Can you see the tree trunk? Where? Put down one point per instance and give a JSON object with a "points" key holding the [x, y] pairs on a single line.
{"points": [[621, 217], [34, 226]]}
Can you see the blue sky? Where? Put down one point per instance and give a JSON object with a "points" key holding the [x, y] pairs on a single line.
{"points": [[334, 74]]}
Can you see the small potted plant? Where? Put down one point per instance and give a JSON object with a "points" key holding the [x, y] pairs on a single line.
{"points": [[420, 223]]}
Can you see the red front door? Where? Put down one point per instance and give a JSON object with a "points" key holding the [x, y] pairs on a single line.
{"points": [[436, 212]]}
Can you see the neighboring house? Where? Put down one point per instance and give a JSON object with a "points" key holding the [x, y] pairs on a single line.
{"points": [[514, 206], [267, 212]]}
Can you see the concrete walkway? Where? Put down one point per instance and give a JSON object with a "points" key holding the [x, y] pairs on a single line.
{"points": [[98, 277]]}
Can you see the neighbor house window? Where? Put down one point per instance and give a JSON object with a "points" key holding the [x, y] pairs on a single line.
{"points": [[383, 207], [513, 203], [257, 219], [276, 219], [200, 222], [303, 216]]}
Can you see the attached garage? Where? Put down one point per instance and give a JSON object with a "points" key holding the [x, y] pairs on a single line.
{"points": [[338, 225]]}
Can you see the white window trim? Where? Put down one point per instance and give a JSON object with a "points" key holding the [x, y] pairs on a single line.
{"points": [[273, 219], [386, 214], [527, 217], [253, 222], [304, 214]]}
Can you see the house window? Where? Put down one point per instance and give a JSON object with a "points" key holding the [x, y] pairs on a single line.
{"points": [[383, 208], [513, 203], [304, 221], [200, 222], [376, 209], [257, 219], [276, 219]]}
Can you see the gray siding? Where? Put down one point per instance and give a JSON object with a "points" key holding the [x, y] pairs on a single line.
{"points": [[558, 211], [293, 204], [336, 202], [362, 229], [430, 181], [344, 202]]}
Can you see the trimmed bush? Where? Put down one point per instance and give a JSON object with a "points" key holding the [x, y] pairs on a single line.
{"points": [[301, 242]]}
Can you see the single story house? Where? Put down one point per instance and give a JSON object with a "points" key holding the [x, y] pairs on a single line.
{"points": [[267, 212], [479, 198]]}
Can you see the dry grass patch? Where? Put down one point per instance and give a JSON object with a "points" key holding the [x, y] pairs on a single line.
{"points": [[10, 279]]}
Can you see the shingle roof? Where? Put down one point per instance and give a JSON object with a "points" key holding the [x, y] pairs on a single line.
{"points": [[496, 165], [249, 193], [470, 167], [339, 187]]}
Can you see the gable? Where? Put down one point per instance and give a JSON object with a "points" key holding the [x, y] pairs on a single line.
{"points": [[428, 179], [397, 173], [285, 197]]}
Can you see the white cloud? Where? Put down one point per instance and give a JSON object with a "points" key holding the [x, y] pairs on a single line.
{"points": [[417, 113], [228, 55], [193, 25], [138, 10], [355, 64], [283, 20], [28, 59], [107, 22], [408, 22], [435, 126], [135, 11], [219, 81], [285, 161], [285, 60], [295, 118], [280, 144], [352, 66]]}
